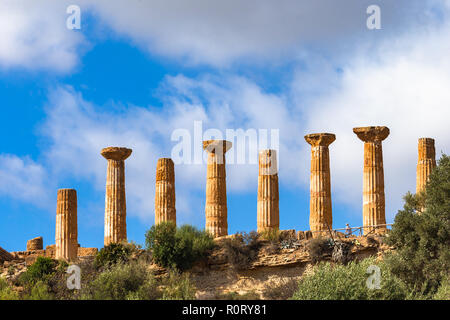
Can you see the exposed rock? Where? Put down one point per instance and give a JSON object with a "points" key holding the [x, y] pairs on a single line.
{"points": [[288, 234], [85, 252], [5, 255]]}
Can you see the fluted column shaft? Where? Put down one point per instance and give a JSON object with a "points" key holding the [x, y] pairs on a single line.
{"points": [[426, 162], [165, 191], [373, 177], [115, 201], [373, 185], [268, 213], [66, 235], [216, 188], [321, 217]]}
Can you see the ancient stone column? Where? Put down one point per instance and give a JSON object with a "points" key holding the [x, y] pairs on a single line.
{"points": [[66, 235], [115, 202], [216, 189], [373, 177], [165, 191], [425, 163], [268, 216], [320, 216]]}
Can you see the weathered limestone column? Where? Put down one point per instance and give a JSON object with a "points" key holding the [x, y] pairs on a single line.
{"points": [[268, 217], [115, 202], [426, 162], [66, 235], [320, 216], [373, 176], [216, 189], [165, 191]]}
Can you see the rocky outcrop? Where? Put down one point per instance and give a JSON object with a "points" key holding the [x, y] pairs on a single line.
{"points": [[5, 255], [271, 267]]}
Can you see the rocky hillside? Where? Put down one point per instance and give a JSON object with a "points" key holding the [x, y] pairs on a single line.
{"points": [[259, 270]]}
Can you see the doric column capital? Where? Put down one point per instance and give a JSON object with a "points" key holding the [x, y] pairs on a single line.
{"points": [[212, 146], [320, 139], [116, 153], [371, 134]]}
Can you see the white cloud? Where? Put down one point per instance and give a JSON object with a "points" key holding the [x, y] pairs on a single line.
{"points": [[402, 85], [33, 35], [78, 130], [222, 32], [23, 179]]}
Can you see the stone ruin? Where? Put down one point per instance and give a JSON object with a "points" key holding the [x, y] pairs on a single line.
{"points": [[35, 244], [216, 187], [425, 163], [320, 217], [165, 191], [268, 212], [115, 201], [66, 234], [373, 177]]}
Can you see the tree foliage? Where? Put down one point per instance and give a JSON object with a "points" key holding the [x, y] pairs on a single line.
{"points": [[421, 234]]}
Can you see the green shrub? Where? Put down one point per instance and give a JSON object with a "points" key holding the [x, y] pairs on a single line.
{"points": [[178, 287], [282, 290], [122, 281], [41, 270], [421, 236], [242, 249], [339, 282], [112, 254], [6, 292], [178, 248], [319, 247], [62, 266], [39, 291], [443, 293], [272, 235]]}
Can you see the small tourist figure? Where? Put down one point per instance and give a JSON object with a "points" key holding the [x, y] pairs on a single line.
{"points": [[348, 230]]}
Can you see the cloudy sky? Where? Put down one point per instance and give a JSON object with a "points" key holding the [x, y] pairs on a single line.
{"points": [[137, 71]]}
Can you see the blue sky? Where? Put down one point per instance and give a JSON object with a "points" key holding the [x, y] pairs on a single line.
{"points": [[136, 71]]}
